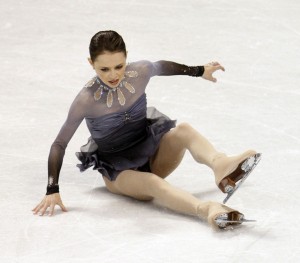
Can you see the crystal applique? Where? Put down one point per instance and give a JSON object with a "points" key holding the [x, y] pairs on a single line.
{"points": [[110, 91], [121, 97], [129, 87], [131, 74], [109, 99], [91, 82], [98, 93]]}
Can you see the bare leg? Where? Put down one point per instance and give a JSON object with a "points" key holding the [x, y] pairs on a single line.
{"points": [[148, 186], [184, 137], [173, 146]]}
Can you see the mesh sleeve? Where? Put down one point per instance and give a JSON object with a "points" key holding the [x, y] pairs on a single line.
{"points": [[168, 68], [57, 151]]}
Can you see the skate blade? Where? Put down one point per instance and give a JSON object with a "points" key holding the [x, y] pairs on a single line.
{"points": [[240, 221], [248, 166]]}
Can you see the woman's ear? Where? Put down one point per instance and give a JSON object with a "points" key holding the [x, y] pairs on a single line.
{"points": [[91, 63]]}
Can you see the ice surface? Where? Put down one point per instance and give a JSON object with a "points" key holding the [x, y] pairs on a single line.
{"points": [[255, 104]]}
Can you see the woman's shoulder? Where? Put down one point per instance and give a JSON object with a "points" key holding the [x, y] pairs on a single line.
{"points": [[92, 82], [141, 66], [86, 93]]}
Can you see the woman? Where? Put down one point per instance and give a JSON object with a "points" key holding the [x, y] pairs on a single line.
{"points": [[135, 148]]}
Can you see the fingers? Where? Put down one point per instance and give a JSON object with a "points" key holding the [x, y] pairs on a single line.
{"points": [[59, 202], [41, 209], [51, 212], [214, 63], [217, 66], [38, 207], [34, 209], [210, 68], [44, 209], [63, 208], [220, 67], [49, 201], [209, 76]]}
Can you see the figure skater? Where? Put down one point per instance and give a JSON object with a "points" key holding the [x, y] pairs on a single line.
{"points": [[134, 147]]}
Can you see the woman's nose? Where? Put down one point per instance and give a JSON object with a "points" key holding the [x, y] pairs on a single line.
{"points": [[112, 74]]}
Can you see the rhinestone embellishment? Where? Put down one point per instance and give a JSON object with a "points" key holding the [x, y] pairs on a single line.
{"points": [[110, 91]]}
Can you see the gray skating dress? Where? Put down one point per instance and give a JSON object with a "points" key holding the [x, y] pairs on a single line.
{"points": [[124, 140], [125, 134]]}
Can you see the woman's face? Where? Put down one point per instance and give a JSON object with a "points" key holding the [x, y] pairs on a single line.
{"points": [[110, 67]]}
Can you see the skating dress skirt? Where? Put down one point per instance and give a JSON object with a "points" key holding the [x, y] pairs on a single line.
{"points": [[124, 140]]}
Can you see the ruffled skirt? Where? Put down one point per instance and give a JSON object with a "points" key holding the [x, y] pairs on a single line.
{"points": [[136, 157]]}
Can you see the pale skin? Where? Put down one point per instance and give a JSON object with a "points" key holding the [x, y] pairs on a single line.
{"points": [[110, 68]]}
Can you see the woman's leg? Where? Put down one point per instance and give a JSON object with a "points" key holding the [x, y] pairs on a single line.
{"points": [[184, 137], [148, 186], [173, 146]]}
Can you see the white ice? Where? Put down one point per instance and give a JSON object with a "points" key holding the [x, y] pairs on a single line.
{"points": [[254, 104]]}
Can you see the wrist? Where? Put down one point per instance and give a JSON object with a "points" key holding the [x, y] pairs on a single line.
{"points": [[52, 189], [196, 71]]}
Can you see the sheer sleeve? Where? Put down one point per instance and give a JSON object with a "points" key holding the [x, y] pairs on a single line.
{"points": [[168, 68], [57, 151]]}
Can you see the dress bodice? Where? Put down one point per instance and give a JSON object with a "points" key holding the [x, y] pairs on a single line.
{"points": [[120, 133], [116, 131]]}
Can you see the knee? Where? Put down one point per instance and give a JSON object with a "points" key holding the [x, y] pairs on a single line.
{"points": [[184, 132], [184, 128]]}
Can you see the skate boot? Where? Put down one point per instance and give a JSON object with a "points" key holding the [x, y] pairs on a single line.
{"points": [[220, 216], [224, 220], [231, 172]]}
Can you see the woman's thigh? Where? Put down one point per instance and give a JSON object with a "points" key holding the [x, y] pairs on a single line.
{"points": [[139, 185], [171, 150]]}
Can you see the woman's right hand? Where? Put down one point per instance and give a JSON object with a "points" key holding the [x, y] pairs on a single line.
{"points": [[209, 69], [49, 201]]}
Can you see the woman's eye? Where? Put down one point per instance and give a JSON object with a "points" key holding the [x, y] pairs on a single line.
{"points": [[104, 69], [119, 67]]}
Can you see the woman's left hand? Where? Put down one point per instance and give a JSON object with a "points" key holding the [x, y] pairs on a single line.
{"points": [[209, 69]]}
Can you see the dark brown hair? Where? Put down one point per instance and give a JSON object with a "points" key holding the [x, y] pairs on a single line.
{"points": [[106, 41]]}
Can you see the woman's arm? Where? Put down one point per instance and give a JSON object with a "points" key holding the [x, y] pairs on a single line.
{"points": [[52, 198], [57, 152], [168, 68]]}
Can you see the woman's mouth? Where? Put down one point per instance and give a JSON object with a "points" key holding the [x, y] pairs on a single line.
{"points": [[114, 82]]}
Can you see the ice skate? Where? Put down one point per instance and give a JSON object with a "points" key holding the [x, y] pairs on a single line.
{"points": [[234, 218], [220, 216], [231, 172]]}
